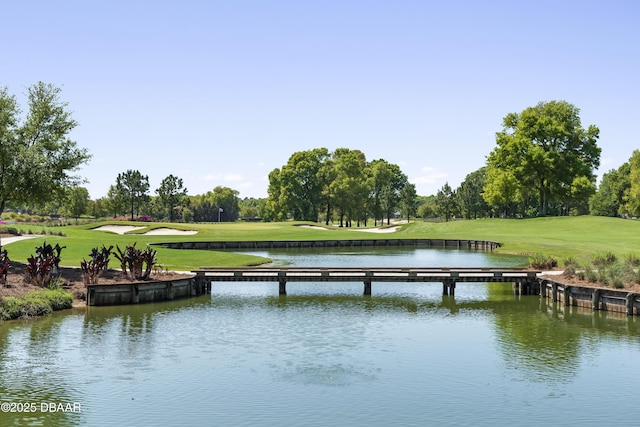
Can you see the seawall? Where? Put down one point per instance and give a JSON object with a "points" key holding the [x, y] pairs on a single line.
{"points": [[281, 244], [603, 299], [141, 292]]}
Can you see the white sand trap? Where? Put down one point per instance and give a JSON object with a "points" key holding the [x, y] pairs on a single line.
{"points": [[121, 229], [368, 230], [377, 230], [168, 231], [118, 229], [8, 240], [314, 227]]}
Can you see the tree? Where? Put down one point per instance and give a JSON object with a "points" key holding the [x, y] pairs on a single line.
{"points": [[446, 201], [612, 193], [582, 188], [225, 200], [408, 200], [171, 192], [349, 189], [116, 200], [274, 209], [427, 206], [300, 183], [76, 202], [135, 186], [633, 200], [387, 181], [36, 156], [469, 194], [544, 148]]}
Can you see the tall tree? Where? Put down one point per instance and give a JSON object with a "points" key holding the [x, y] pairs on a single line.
{"points": [[225, 200], [135, 186], [350, 188], [469, 194], [613, 192], [301, 184], [37, 156], [545, 148], [408, 203], [446, 201], [76, 202], [116, 200], [275, 209], [171, 192]]}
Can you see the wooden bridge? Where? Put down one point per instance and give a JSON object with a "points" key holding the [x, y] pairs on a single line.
{"points": [[525, 280]]}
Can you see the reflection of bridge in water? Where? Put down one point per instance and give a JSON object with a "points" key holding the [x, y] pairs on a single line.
{"points": [[525, 281]]}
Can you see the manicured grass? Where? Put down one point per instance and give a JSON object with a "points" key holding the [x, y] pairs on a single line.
{"points": [[560, 237]]}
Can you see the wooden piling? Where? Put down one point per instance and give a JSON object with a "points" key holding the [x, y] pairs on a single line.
{"points": [[367, 287]]}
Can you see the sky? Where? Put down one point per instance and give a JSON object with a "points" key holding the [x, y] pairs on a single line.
{"points": [[220, 93]]}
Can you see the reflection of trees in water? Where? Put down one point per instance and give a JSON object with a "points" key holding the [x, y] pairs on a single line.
{"points": [[546, 340], [32, 370], [541, 349]]}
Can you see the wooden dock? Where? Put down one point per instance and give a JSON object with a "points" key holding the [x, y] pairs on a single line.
{"points": [[525, 280]]}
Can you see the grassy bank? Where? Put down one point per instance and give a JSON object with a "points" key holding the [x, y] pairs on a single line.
{"points": [[560, 237], [37, 303]]}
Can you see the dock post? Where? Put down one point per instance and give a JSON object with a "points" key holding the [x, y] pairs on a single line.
{"points": [[554, 291], [567, 296], [135, 294], [367, 287], [631, 297], [596, 299], [448, 288]]}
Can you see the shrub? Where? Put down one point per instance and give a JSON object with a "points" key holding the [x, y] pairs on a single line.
{"points": [[604, 259], [36, 303], [632, 260], [98, 264], [9, 230], [570, 267], [542, 262], [44, 266], [617, 282], [136, 264]]}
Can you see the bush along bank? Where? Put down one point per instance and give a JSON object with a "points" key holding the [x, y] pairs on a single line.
{"points": [[37, 303]]}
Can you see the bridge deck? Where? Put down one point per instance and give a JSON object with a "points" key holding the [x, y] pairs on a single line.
{"points": [[332, 274]]}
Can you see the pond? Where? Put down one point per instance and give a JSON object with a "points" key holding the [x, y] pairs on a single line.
{"points": [[325, 355]]}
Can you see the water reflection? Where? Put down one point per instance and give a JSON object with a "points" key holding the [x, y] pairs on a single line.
{"points": [[28, 352], [325, 354]]}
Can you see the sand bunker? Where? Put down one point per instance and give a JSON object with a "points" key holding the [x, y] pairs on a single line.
{"points": [[368, 230], [121, 229], [314, 227], [168, 231], [10, 239], [377, 230]]}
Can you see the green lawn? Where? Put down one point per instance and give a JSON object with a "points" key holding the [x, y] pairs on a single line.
{"points": [[560, 237]]}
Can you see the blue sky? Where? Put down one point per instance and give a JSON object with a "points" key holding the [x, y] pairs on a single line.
{"points": [[223, 92]]}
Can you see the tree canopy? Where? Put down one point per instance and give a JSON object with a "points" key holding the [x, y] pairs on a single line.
{"points": [[135, 186], [171, 192], [543, 151], [36, 154], [341, 184]]}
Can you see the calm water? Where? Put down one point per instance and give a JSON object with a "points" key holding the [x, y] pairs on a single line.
{"points": [[324, 355]]}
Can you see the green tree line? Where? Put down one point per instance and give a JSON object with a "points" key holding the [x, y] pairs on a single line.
{"points": [[318, 185], [544, 163]]}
